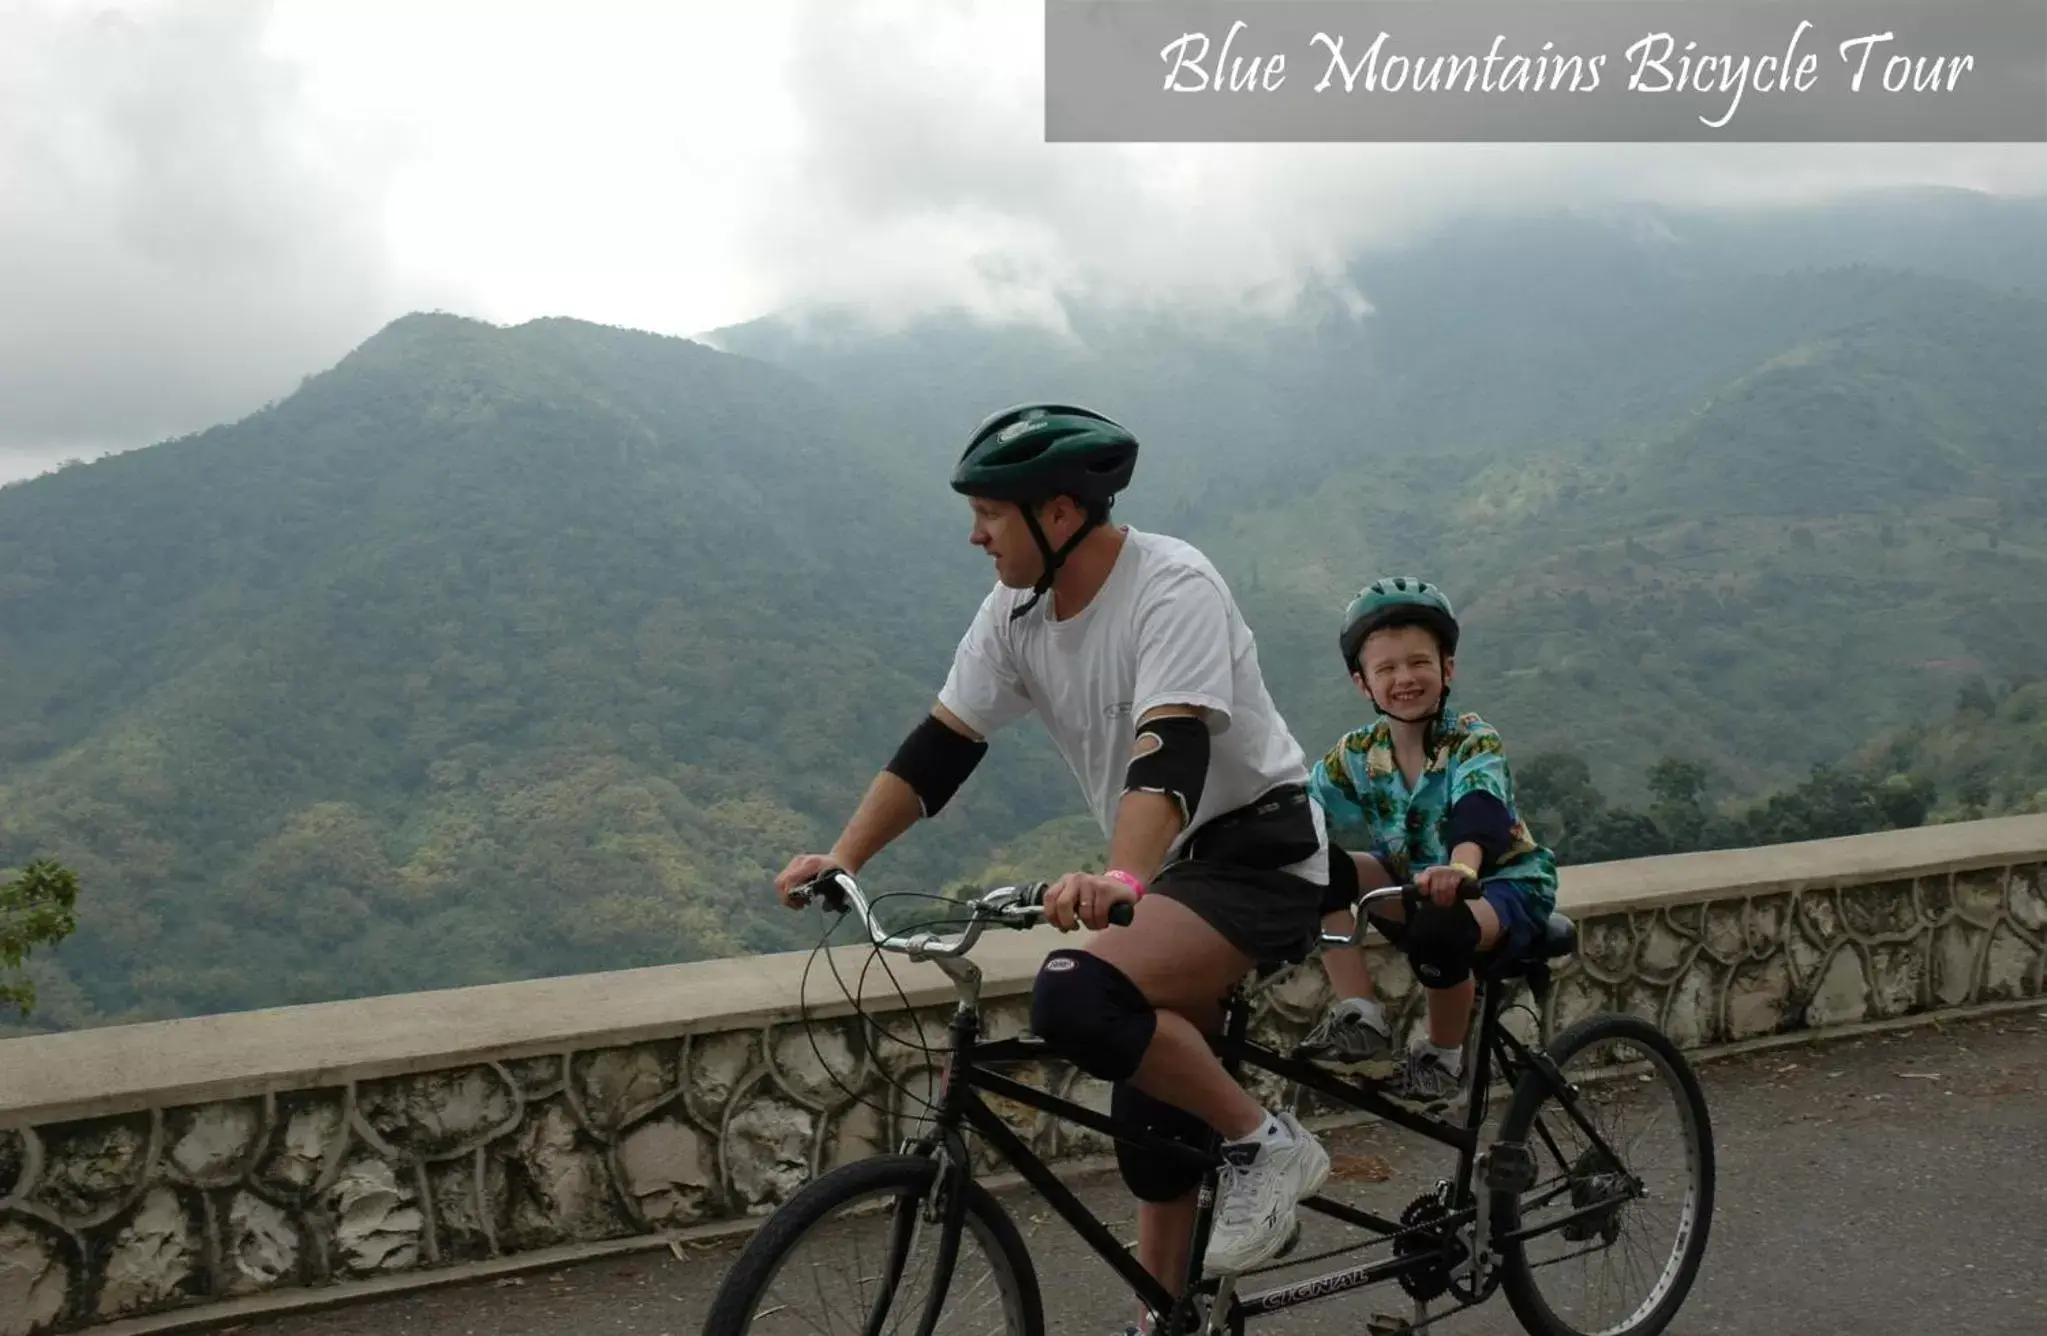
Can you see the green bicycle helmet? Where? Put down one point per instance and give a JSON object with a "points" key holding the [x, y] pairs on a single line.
{"points": [[1034, 452], [1031, 453], [1398, 600]]}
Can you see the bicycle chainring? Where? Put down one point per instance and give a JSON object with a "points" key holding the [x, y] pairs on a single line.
{"points": [[1419, 1237]]}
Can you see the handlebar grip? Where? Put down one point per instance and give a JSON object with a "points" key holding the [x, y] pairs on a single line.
{"points": [[1470, 889], [1120, 913], [825, 886]]}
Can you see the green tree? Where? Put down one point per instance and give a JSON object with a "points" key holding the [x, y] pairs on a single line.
{"points": [[1679, 811], [35, 910], [1617, 833], [1834, 802], [1904, 800], [1555, 793], [1975, 796]]}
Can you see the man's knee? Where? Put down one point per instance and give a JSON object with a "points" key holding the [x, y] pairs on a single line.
{"points": [[1092, 1012], [1440, 943], [1155, 1175]]}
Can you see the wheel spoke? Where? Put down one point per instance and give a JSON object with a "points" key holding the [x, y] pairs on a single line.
{"points": [[1636, 1213], [824, 1254]]}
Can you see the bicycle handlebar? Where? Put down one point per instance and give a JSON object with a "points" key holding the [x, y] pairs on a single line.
{"points": [[1023, 907], [1006, 906], [1470, 890]]}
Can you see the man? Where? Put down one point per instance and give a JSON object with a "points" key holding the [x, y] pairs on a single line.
{"points": [[1131, 650]]}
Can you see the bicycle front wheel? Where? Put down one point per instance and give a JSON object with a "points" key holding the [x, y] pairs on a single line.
{"points": [[865, 1249], [1623, 1191]]}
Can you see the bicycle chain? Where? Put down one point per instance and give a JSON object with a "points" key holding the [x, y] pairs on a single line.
{"points": [[1434, 1195]]}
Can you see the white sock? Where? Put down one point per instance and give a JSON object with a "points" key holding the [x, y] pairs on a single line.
{"points": [[1451, 1058], [1365, 1009], [1271, 1130]]}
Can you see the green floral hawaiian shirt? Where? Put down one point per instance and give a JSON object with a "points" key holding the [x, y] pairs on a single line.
{"points": [[1359, 785]]}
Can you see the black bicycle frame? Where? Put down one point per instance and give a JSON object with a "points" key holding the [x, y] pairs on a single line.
{"points": [[967, 1075]]}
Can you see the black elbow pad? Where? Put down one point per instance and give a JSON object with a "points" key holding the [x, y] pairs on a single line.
{"points": [[1170, 757], [934, 760], [1483, 820]]}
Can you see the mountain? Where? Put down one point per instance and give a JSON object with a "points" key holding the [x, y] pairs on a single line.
{"points": [[488, 653], [1493, 335], [1988, 755], [496, 652], [1805, 557], [1942, 232]]}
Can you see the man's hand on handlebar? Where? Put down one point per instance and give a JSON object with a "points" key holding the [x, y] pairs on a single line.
{"points": [[1084, 898], [802, 870]]}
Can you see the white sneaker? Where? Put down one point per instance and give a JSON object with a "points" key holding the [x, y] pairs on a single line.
{"points": [[1262, 1183]]}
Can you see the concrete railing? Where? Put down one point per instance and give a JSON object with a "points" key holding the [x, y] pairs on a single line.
{"points": [[240, 1162]]}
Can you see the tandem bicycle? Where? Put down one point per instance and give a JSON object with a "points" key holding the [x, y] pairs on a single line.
{"points": [[1551, 1185]]}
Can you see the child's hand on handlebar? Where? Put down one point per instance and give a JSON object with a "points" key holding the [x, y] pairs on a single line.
{"points": [[1084, 898], [1442, 885]]}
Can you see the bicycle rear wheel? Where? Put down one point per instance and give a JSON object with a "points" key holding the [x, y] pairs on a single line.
{"points": [[1634, 1087], [849, 1252]]}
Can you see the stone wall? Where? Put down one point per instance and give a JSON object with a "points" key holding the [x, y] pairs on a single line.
{"points": [[147, 1168]]}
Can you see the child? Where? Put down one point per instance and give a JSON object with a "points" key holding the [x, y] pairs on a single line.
{"points": [[1434, 793]]}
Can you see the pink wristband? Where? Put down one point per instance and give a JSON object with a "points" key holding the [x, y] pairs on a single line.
{"points": [[1133, 883]]}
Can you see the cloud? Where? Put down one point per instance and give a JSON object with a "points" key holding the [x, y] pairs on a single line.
{"points": [[181, 236], [202, 201], [588, 159], [922, 177]]}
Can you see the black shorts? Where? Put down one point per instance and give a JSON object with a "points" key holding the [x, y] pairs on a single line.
{"points": [[1343, 889], [1272, 917], [1233, 877]]}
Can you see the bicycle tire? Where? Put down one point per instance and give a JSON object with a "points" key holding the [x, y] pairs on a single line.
{"points": [[757, 1264], [1524, 1296]]}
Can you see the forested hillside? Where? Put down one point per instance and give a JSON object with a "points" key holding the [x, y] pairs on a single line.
{"points": [[495, 652], [489, 653], [1824, 547]]}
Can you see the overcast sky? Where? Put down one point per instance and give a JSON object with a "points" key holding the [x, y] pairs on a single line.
{"points": [[202, 202]]}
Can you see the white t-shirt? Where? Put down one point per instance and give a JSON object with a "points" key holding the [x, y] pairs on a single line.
{"points": [[1162, 630]]}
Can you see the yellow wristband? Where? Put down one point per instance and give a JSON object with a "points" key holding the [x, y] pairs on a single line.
{"points": [[1470, 873]]}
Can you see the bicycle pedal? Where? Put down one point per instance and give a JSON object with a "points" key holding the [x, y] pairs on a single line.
{"points": [[1293, 1241], [1385, 1324]]}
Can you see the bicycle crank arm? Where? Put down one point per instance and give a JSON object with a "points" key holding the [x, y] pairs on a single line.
{"points": [[1219, 1306]]}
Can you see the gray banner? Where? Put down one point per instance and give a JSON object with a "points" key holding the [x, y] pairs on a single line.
{"points": [[1546, 71]]}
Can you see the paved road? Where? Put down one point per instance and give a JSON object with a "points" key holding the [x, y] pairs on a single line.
{"points": [[1852, 1199]]}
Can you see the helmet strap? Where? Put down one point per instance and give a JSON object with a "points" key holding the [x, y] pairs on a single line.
{"points": [[1053, 560]]}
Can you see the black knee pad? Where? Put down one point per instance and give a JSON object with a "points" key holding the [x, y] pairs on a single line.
{"points": [[1156, 1175], [1091, 1011], [1440, 943]]}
